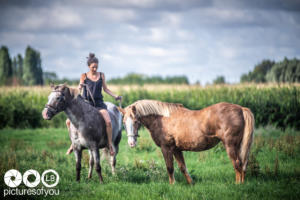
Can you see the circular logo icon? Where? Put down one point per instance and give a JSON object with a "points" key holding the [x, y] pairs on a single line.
{"points": [[13, 178], [56, 179], [35, 182]]}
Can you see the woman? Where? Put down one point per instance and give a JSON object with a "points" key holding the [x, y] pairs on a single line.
{"points": [[96, 81]]}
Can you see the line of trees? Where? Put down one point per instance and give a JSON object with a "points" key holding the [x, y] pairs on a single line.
{"points": [[131, 78], [51, 77], [140, 79], [287, 71], [19, 70]]}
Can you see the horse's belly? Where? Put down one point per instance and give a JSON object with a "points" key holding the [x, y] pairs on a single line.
{"points": [[197, 144]]}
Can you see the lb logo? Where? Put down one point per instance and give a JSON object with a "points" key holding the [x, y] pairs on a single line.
{"points": [[46, 178], [31, 178], [13, 178]]}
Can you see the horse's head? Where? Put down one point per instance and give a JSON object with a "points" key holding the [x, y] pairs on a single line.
{"points": [[56, 101], [132, 124]]}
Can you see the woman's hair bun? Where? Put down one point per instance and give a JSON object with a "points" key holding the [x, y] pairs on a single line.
{"points": [[91, 59], [92, 55]]}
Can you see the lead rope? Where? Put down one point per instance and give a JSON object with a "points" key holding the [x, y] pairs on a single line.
{"points": [[89, 91], [120, 102]]}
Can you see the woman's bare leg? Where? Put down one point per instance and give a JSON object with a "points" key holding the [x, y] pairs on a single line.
{"points": [[70, 150], [108, 130]]}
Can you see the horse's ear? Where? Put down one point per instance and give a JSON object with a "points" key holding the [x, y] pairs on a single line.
{"points": [[133, 110], [64, 85], [121, 110]]}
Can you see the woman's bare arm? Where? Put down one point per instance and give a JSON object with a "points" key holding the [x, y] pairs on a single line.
{"points": [[81, 81], [105, 88]]}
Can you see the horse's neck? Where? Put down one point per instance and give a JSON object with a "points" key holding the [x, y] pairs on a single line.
{"points": [[75, 111], [150, 121]]}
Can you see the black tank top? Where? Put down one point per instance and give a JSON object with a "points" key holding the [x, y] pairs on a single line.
{"points": [[96, 90]]}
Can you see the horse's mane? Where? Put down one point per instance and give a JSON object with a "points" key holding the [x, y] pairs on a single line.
{"points": [[74, 92], [153, 107]]}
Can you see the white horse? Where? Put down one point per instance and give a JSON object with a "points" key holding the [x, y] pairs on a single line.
{"points": [[88, 126]]}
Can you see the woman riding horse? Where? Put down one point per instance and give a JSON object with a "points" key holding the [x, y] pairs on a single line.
{"points": [[95, 81]]}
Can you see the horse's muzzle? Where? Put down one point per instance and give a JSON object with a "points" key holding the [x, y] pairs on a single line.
{"points": [[131, 142], [46, 115]]}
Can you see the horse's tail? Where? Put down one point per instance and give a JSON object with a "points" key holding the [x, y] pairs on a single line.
{"points": [[120, 121], [105, 153], [247, 137]]}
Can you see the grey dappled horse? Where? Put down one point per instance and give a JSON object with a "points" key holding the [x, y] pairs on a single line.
{"points": [[87, 130]]}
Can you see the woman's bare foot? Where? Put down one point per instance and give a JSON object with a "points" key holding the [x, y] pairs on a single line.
{"points": [[70, 150]]}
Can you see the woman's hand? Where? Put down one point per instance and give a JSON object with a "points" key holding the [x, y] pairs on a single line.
{"points": [[80, 86], [118, 98]]}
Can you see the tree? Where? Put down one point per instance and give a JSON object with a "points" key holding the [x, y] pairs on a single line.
{"points": [[19, 66], [14, 66], [219, 80], [285, 71], [6, 71], [50, 77], [259, 72], [32, 70]]}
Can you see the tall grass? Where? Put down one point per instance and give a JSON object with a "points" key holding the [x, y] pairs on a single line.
{"points": [[271, 104]]}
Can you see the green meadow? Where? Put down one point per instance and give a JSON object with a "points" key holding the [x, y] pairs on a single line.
{"points": [[273, 170]]}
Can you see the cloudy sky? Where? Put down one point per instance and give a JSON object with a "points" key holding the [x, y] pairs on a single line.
{"points": [[197, 38]]}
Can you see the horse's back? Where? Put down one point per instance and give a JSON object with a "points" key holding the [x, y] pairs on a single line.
{"points": [[202, 129]]}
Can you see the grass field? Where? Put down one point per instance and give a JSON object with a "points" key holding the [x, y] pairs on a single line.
{"points": [[273, 170]]}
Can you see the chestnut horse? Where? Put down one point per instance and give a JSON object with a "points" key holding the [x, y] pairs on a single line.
{"points": [[175, 128]]}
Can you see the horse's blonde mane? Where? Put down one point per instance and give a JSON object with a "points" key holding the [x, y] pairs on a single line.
{"points": [[153, 107], [74, 92]]}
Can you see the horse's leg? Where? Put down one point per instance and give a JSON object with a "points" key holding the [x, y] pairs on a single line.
{"points": [[232, 152], [96, 157], [91, 163], [180, 160], [243, 176], [78, 154], [113, 161], [168, 156]]}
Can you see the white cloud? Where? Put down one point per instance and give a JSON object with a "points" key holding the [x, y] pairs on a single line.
{"points": [[117, 15], [155, 51], [158, 35], [228, 52], [57, 17], [171, 19]]}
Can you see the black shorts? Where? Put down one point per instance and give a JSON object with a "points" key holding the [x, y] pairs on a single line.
{"points": [[99, 105]]}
